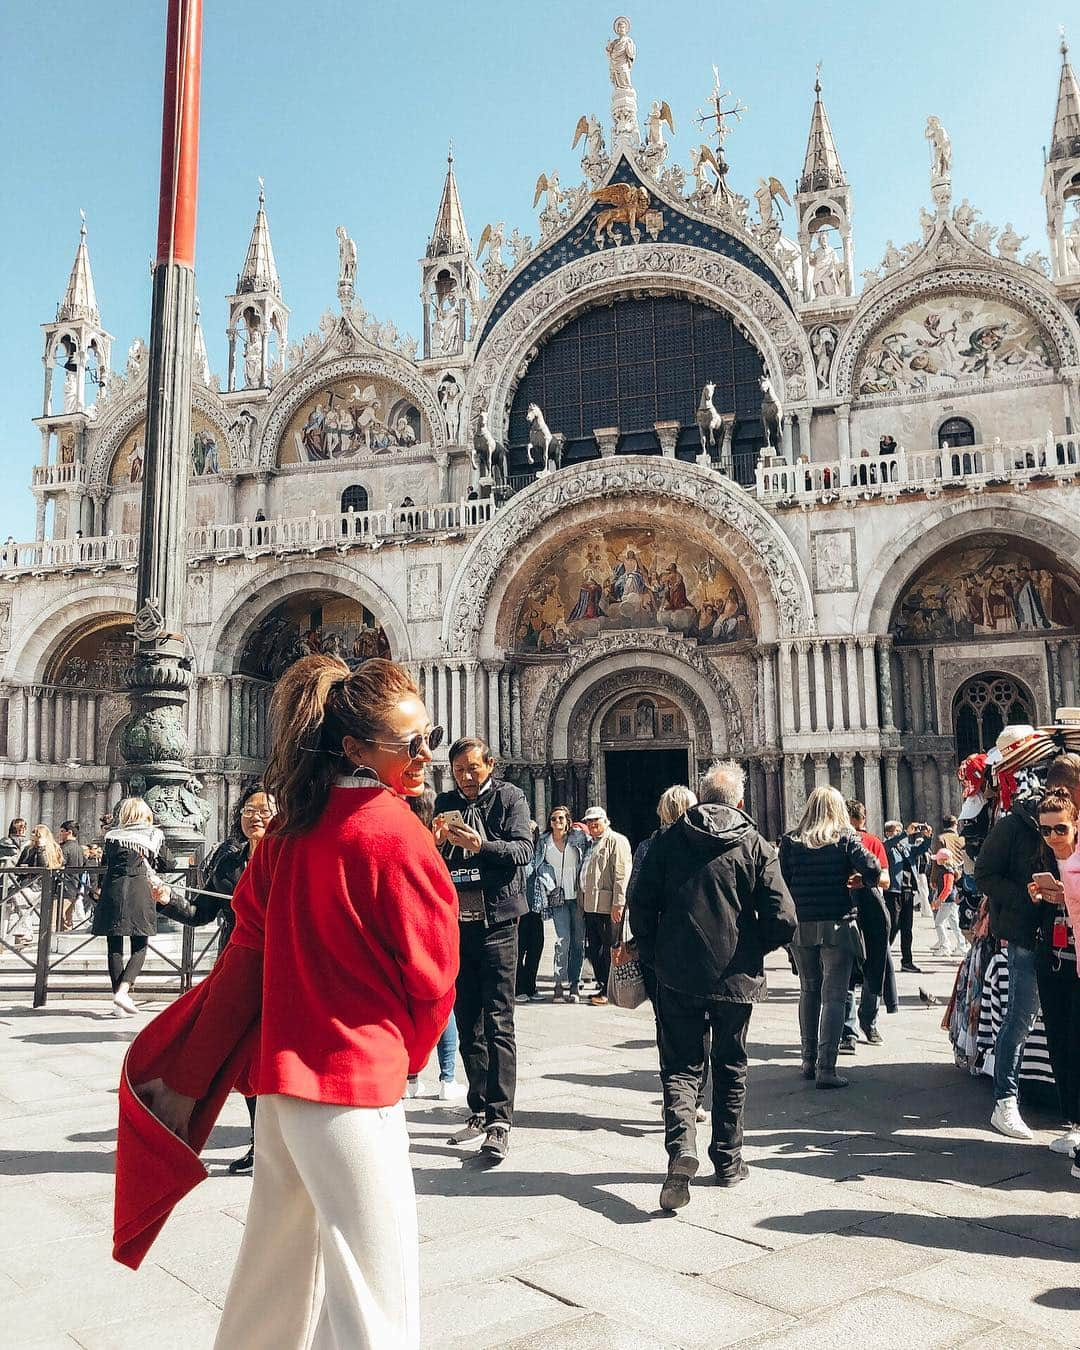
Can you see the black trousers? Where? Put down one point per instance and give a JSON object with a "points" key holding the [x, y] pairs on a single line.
{"points": [[598, 946], [530, 950], [906, 925], [684, 1023], [484, 1008], [705, 1090], [1059, 996], [119, 973]]}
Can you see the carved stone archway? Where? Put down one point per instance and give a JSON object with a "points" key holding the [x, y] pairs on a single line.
{"points": [[683, 493], [132, 410], [757, 308], [590, 709], [639, 659]]}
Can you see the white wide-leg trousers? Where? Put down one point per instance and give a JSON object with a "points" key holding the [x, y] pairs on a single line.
{"points": [[330, 1257]]}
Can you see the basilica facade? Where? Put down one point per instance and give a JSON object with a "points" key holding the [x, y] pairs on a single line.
{"points": [[668, 481]]}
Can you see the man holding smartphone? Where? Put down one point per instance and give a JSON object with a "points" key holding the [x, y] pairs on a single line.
{"points": [[484, 832]]}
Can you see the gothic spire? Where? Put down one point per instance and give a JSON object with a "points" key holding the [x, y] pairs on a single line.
{"points": [[260, 269], [80, 300], [1065, 141], [449, 234], [821, 168]]}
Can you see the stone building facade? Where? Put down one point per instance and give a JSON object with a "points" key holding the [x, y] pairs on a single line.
{"points": [[856, 587]]}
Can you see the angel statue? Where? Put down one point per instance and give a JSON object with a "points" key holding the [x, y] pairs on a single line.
{"points": [[495, 268], [940, 150], [590, 129], [551, 216], [701, 160], [1009, 243], [769, 189], [659, 113]]}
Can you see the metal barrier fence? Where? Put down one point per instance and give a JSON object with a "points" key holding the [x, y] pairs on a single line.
{"points": [[46, 916]]}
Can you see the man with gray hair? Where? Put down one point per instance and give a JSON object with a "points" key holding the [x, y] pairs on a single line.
{"points": [[707, 906]]}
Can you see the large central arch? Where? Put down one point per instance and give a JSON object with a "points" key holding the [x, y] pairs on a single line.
{"points": [[642, 269], [767, 565]]}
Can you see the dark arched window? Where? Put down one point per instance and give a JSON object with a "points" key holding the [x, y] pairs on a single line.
{"points": [[956, 431], [355, 497], [637, 362], [983, 707]]}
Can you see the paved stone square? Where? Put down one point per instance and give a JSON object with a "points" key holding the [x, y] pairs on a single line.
{"points": [[886, 1215]]}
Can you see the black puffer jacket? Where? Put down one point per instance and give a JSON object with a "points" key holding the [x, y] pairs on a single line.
{"points": [[507, 847], [220, 872], [125, 907], [708, 903], [818, 877], [1010, 855]]}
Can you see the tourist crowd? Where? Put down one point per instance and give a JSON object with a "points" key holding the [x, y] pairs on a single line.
{"points": [[367, 925]]}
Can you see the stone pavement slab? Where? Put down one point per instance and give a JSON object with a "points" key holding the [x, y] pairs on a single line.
{"points": [[887, 1211]]}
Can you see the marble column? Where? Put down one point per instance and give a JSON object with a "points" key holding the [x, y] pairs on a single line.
{"points": [[48, 712], [821, 722], [794, 789], [855, 717], [540, 809], [515, 715], [17, 726], [847, 773], [872, 790], [802, 666], [821, 769], [929, 720], [454, 728], [885, 682], [493, 720], [769, 679], [839, 721], [471, 674], [869, 681], [72, 803], [757, 702], [920, 788], [786, 690], [33, 722], [774, 815], [504, 710], [892, 784], [48, 808], [843, 430], [906, 696], [948, 787]]}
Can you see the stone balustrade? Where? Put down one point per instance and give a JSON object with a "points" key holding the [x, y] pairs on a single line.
{"points": [[315, 531], [929, 471], [59, 475]]}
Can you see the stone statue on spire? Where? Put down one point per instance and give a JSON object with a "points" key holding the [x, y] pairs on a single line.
{"points": [[346, 286], [621, 54], [940, 164]]}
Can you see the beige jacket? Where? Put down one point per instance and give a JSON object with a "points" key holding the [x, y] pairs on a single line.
{"points": [[605, 874]]}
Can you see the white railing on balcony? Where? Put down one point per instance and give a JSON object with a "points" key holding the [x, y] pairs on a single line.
{"points": [[920, 471], [110, 550], [312, 532], [59, 475]]}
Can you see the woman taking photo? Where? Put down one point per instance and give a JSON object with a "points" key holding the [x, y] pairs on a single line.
{"points": [[554, 889], [1054, 885], [354, 916], [212, 903], [133, 854], [816, 861]]}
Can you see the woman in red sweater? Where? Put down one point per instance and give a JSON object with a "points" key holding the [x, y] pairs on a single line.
{"points": [[354, 916]]}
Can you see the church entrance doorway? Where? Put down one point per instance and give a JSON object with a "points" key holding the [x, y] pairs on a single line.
{"points": [[635, 779]]}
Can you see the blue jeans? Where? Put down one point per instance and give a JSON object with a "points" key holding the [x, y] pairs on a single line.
{"points": [[824, 973], [1020, 1015], [447, 1051], [569, 943]]}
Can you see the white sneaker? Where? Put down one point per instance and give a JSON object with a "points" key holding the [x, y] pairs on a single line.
{"points": [[457, 1092], [1007, 1119], [1069, 1141], [521, 998], [416, 1087], [123, 1002], [701, 1115]]}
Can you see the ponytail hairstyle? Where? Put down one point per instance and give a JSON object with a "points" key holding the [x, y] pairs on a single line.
{"points": [[1058, 801], [316, 704]]}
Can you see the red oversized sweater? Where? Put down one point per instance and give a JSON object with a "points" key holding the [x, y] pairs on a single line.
{"points": [[357, 924]]}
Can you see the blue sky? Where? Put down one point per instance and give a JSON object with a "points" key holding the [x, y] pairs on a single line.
{"points": [[346, 108]]}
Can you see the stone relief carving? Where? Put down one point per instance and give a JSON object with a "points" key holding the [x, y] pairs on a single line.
{"points": [[743, 528], [300, 385], [423, 592], [1007, 286], [834, 561]]}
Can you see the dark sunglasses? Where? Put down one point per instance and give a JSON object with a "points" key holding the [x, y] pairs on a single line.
{"points": [[432, 739], [1062, 828]]}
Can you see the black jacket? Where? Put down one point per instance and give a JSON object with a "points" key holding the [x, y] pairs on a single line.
{"points": [[220, 872], [125, 907], [508, 846], [818, 877], [708, 903], [1010, 854]]}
